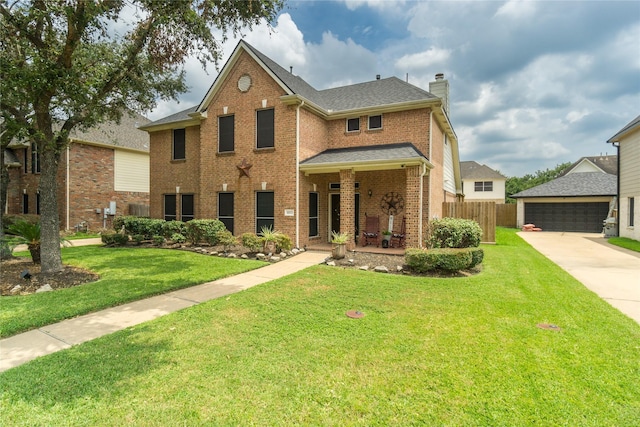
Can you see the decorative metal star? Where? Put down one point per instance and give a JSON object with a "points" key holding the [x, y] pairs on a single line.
{"points": [[244, 167]]}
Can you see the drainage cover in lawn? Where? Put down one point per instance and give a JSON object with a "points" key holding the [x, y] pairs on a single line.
{"points": [[354, 314], [548, 326]]}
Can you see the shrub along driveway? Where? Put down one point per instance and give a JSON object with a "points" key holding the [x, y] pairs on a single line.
{"points": [[610, 271], [428, 351]]}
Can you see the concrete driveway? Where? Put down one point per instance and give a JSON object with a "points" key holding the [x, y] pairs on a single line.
{"points": [[611, 272]]}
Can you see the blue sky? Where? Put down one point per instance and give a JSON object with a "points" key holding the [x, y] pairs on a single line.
{"points": [[533, 83]]}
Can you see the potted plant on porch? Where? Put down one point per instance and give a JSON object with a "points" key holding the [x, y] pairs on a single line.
{"points": [[386, 238], [339, 240]]}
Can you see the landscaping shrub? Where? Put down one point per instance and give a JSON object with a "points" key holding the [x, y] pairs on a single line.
{"points": [[114, 239], [9, 219], [449, 259], [133, 225], [454, 233], [158, 240], [477, 255], [251, 241], [138, 238], [177, 238], [226, 239], [204, 231], [170, 228], [283, 242]]}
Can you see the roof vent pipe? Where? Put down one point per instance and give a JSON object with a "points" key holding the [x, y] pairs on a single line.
{"points": [[377, 76], [291, 69], [440, 76]]}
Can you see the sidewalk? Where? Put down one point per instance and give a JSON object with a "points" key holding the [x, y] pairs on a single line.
{"points": [[24, 347]]}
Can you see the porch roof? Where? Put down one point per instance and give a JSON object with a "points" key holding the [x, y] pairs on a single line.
{"points": [[368, 158]]}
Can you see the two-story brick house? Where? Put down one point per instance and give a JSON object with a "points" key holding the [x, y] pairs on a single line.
{"points": [[264, 148], [103, 167]]}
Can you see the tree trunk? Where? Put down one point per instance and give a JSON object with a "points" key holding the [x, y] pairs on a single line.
{"points": [[34, 250], [5, 251], [51, 258]]}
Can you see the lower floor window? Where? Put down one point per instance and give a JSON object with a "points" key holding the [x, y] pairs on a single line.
{"points": [[632, 207], [313, 214], [25, 203], [169, 207], [225, 210], [264, 210], [187, 208]]}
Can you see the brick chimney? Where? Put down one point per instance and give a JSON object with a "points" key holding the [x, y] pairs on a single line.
{"points": [[440, 88]]}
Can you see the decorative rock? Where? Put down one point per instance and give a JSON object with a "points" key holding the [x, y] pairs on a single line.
{"points": [[331, 263], [381, 269], [351, 261], [283, 255], [16, 289], [244, 256], [44, 288], [399, 268], [364, 267], [302, 249], [197, 249], [221, 254], [294, 251], [275, 258], [260, 256], [232, 255]]}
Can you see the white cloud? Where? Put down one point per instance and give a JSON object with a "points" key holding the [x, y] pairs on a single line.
{"points": [[516, 9], [423, 60]]}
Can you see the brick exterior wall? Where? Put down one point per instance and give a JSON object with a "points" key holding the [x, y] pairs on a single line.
{"points": [[206, 170], [91, 187]]}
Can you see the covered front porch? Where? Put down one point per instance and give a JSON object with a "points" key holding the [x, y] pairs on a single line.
{"points": [[359, 186]]}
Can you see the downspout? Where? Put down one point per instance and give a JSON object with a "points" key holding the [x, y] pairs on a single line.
{"points": [[298, 173], [617, 145], [430, 159], [68, 213]]}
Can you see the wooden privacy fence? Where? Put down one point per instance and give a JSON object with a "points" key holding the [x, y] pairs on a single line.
{"points": [[484, 213], [506, 215], [138, 210]]}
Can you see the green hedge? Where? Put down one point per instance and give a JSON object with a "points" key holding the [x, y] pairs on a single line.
{"points": [[454, 233], [204, 231], [449, 259]]}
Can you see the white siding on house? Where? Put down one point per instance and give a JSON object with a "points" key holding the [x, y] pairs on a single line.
{"points": [[131, 171], [448, 175], [630, 184], [585, 166], [497, 195]]}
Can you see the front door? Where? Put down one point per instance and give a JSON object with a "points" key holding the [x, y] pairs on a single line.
{"points": [[334, 214]]}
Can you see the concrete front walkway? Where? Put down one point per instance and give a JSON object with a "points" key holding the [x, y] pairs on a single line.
{"points": [[613, 273], [24, 347]]}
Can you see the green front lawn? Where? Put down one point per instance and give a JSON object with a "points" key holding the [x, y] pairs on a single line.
{"points": [[126, 274], [455, 352], [625, 242]]}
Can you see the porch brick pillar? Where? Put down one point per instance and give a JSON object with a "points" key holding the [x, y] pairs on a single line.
{"points": [[412, 206], [347, 205]]}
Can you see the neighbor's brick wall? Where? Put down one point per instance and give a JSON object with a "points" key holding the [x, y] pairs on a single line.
{"points": [[91, 178]]}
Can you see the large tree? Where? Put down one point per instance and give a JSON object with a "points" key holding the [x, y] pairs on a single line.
{"points": [[70, 64]]}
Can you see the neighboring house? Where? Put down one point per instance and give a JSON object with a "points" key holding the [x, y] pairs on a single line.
{"points": [[579, 200], [264, 148], [480, 183], [103, 167], [628, 142]]}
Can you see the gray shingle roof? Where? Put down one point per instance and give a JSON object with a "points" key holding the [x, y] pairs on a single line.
{"points": [[474, 170], [124, 134], [574, 185], [608, 164], [176, 117], [405, 150], [632, 125]]}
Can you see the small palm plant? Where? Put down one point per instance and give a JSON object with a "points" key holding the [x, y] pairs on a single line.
{"points": [[269, 239], [25, 232]]}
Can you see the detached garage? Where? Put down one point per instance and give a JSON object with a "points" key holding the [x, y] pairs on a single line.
{"points": [[577, 202]]}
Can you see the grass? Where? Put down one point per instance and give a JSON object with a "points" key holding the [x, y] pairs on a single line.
{"points": [[625, 242], [81, 235], [126, 274], [429, 351]]}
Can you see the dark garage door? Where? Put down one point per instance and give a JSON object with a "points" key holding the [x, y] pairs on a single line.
{"points": [[580, 217]]}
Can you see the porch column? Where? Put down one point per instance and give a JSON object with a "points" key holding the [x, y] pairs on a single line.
{"points": [[412, 207], [347, 205]]}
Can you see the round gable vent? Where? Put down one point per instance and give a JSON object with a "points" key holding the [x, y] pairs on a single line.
{"points": [[244, 83]]}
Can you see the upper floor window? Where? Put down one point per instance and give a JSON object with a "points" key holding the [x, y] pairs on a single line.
{"points": [[375, 122], [226, 134], [353, 125], [35, 158], [179, 150], [265, 129], [483, 186]]}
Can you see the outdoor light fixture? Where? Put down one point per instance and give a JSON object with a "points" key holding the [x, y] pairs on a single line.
{"points": [[370, 193]]}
